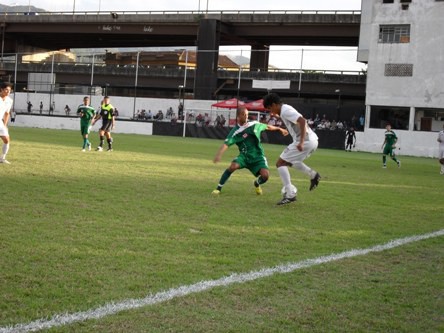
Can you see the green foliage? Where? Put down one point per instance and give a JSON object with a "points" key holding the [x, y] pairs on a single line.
{"points": [[82, 229]]}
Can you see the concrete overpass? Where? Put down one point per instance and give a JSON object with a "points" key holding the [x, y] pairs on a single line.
{"points": [[260, 29]]}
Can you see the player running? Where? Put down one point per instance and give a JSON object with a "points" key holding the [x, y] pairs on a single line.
{"points": [[247, 136], [389, 146], [305, 142], [441, 149], [108, 123], [86, 113], [5, 109]]}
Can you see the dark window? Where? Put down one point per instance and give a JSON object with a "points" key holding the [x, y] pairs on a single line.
{"points": [[406, 1], [387, 1], [398, 117], [394, 33]]}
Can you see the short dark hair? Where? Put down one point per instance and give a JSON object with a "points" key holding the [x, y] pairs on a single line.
{"points": [[4, 85], [270, 99]]}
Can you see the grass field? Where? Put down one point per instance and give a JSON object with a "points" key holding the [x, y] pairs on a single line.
{"points": [[79, 230]]}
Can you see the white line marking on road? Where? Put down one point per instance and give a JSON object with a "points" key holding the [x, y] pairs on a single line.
{"points": [[113, 308]]}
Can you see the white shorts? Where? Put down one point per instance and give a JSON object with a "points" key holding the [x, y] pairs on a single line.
{"points": [[3, 129], [292, 155], [441, 152]]}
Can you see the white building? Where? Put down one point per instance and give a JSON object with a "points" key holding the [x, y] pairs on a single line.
{"points": [[403, 43]]}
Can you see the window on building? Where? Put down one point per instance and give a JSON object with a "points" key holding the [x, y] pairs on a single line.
{"points": [[398, 70], [427, 119], [405, 1], [398, 117], [399, 33], [387, 1]]}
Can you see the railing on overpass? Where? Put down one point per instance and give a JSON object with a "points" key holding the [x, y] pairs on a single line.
{"points": [[211, 13]]}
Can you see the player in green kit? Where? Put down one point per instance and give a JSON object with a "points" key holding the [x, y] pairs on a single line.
{"points": [[86, 113], [247, 136], [389, 146]]}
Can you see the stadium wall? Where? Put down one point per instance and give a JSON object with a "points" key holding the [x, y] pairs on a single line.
{"points": [[413, 143]]}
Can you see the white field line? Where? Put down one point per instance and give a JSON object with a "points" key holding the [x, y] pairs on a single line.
{"points": [[113, 308]]}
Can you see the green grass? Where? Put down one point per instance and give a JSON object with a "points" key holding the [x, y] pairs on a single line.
{"points": [[78, 230]]}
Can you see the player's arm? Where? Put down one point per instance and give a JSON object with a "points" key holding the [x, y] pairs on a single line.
{"points": [[95, 118], [303, 126], [6, 118], [272, 128], [219, 153]]}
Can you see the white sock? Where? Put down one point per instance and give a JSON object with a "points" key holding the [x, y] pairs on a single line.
{"points": [[5, 149], [305, 169], [284, 173]]}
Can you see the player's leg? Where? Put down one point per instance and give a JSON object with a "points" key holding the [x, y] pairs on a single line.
{"points": [[101, 138], [393, 156], [5, 147], [109, 140], [441, 157], [259, 169], [298, 164], [236, 164], [385, 152]]}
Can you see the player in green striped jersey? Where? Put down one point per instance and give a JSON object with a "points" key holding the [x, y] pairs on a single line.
{"points": [[247, 136], [389, 146], [86, 113]]}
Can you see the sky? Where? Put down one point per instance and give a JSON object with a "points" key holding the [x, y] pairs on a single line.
{"points": [[288, 57]]}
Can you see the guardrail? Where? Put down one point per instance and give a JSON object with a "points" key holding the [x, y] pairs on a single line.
{"points": [[195, 12]]}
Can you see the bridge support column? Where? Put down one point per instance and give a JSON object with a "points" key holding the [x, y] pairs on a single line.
{"points": [[208, 40], [260, 56]]}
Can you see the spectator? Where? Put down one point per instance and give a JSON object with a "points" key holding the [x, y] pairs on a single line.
{"points": [[67, 109], [13, 115], [149, 115], [180, 111], [116, 112], [41, 107], [169, 113], [29, 107], [361, 122]]}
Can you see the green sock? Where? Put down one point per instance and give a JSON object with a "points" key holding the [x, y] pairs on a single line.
{"points": [[394, 159], [384, 159], [259, 181], [224, 179], [85, 142]]}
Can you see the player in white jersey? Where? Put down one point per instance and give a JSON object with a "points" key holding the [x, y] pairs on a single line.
{"points": [[5, 109], [305, 142], [441, 149]]}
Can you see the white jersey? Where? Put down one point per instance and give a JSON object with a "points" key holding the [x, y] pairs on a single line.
{"points": [[5, 106], [441, 138], [289, 116]]}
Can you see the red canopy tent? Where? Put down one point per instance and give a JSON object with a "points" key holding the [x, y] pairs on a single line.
{"points": [[229, 104], [256, 105]]}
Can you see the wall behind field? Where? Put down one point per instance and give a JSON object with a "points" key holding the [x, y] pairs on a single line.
{"points": [[413, 143]]}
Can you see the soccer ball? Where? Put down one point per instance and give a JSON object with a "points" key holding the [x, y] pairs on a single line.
{"points": [[291, 194]]}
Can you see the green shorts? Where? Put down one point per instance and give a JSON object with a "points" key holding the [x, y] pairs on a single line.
{"points": [[388, 150], [254, 164], [84, 129]]}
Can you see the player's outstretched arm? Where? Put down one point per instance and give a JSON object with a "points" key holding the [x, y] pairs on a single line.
{"points": [[219, 153], [283, 131]]}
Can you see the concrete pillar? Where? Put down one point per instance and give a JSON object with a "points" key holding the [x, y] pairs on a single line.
{"points": [[259, 58], [208, 39], [412, 118], [367, 117]]}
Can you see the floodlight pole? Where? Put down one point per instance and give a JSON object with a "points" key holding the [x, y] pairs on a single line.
{"points": [[135, 84]]}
